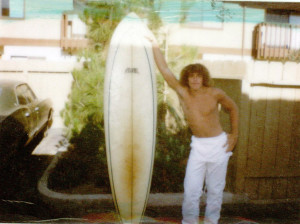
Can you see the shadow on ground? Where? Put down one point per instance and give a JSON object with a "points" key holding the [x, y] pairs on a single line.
{"points": [[20, 172]]}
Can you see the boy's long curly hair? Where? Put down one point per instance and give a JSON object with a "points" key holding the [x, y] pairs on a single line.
{"points": [[195, 68]]}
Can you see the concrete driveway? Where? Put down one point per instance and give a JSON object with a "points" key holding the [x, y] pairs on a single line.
{"points": [[52, 143]]}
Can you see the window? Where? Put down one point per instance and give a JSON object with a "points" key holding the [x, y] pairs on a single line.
{"points": [[5, 7], [295, 18], [29, 94], [277, 16], [20, 94], [25, 94], [14, 9]]}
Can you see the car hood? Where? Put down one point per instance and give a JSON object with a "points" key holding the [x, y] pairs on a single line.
{"points": [[6, 112]]}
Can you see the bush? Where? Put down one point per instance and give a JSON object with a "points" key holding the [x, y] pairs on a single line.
{"points": [[83, 163], [170, 156]]}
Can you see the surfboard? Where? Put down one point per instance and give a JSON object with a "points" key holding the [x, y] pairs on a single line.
{"points": [[130, 117]]}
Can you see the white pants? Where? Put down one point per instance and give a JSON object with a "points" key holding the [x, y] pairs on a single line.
{"points": [[207, 161]]}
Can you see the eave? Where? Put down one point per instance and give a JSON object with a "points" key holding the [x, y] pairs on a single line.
{"points": [[271, 4]]}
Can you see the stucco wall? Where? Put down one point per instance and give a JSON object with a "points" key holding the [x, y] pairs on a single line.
{"points": [[32, 29], [47, 79], [230, 36]]}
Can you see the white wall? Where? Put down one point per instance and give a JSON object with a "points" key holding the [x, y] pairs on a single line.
{"points": [[31, 28], [46, 53], [230, 36], [47, 79]]}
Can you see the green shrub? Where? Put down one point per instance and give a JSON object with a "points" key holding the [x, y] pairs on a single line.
{"points": [[85, 161], [171, 155]]}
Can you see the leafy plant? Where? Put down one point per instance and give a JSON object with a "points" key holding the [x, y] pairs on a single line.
{"points": [[85, 101], [83, 163], [294, 55], [85, 160], [86, 97], [170, 156], [223, 13], [185, 7]]}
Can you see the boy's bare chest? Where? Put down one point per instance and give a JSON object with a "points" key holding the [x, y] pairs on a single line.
{"points": [[202, 104]]}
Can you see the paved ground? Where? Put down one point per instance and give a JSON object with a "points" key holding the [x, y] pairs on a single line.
{"points": [[51, 143], [20, 203], [169, 211]]}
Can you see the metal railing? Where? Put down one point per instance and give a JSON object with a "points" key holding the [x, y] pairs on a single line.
{"points": [[277, 42], [68, 40]]}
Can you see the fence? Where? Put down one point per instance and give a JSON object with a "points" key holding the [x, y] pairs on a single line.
{"points": [[277, 42], [72, 33], [268, 155]]}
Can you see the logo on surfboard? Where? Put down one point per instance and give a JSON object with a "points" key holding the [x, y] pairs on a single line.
{"points": [[131, 70]]}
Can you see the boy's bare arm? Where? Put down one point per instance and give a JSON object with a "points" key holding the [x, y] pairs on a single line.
{"points": [[232, 109], [163, 67]]}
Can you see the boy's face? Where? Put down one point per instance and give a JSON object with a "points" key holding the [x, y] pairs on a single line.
{"points": [[195, 81]]}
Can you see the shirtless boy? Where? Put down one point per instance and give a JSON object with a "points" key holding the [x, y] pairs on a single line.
{"points": [[210, 147]]}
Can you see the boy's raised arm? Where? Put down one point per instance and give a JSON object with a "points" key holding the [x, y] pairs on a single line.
{"points": [[163, 67]]}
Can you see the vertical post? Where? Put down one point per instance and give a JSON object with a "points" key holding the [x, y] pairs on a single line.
{"points": [[65, 25], [258, 41], [243, 32], [280, 40], [266, 40], [63, 32], [24, 9], [286, 32], [242, 146], [290, 41], [272, 40]]}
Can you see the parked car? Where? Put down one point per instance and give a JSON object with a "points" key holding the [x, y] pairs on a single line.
{"points": [[22, 114]]}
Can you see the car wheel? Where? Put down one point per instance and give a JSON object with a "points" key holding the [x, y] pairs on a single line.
{"points": [[12, 134]]}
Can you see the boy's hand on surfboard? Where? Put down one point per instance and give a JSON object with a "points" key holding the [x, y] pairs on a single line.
{"points": [[151, 38], [231, 142]]}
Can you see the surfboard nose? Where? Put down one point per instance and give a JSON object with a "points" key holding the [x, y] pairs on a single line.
{"points": [[133, 16]]}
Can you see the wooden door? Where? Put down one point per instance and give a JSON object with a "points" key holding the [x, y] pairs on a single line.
{"points": [[268, 162]]}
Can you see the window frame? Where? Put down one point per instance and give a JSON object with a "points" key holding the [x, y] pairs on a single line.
{"points": [[8, 17]]}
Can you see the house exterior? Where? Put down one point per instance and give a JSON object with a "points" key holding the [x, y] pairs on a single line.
{"points": [[41, 23], [250, 47], [36, 38], [252, 51]]}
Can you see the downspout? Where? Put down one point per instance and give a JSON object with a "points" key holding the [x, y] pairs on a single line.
{"points": [[24, 9], [243, 31]]}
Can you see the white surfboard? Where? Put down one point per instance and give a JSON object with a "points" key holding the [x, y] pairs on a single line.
{"points": [[130, 117]]}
